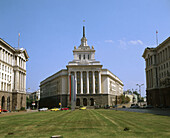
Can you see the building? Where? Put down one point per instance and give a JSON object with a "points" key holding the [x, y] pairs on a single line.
{"points": [[34, 97], [12, 76], [157, 69], [132, 96], [94, 85]]}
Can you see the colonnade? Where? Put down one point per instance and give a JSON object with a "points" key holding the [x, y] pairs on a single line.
{"points": [[20, 80], [96, 86]]}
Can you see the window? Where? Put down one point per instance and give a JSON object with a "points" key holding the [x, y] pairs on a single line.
{"points": [[84, 56], [79, 56], [88, 57]]}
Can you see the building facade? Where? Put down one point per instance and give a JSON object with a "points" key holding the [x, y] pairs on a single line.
{"points": [[94, 85], [12, 76], [157, 69]]}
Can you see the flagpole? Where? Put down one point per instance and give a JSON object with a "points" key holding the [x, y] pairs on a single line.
{"points": [[157, 37], [18, 39]]}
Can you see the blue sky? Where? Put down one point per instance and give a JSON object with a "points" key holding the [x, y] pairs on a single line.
{"points": [[119, 30]]}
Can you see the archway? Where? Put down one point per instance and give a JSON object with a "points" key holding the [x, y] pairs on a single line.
{"points": [[8, 103], [3, 103], [77, 102], [91, 102], [84, 102]]}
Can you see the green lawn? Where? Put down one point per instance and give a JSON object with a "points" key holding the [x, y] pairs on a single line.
{"points": [[85, 123]]}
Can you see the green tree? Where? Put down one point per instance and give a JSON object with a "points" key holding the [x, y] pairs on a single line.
{"points": [[123, 99]]}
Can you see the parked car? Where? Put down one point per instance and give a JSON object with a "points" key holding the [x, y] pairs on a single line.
{"points": [[115, 106], [55, 109], [149, 106], [43, 109], [83, 108], [64, 108], [106, 107], [4, 110], [135, 106]]}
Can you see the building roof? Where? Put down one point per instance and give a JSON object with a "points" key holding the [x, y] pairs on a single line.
{"points": [[17, 50], [156, 48]]}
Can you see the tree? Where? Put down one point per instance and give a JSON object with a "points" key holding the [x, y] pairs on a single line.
{"points": [[123, 99], [138, 95]]}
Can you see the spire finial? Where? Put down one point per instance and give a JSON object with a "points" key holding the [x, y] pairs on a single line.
{"points": [[83, 31]]}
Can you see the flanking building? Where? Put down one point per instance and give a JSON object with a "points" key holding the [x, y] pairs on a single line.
{"points": [[158, 74], [12, 76], [94, 85]]}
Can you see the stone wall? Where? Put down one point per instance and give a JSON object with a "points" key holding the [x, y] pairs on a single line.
{"points": [[4, 104], [158, 97], [18, 101]]}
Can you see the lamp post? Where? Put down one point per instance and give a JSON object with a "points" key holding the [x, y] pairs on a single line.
{"points": [[140, 90]]}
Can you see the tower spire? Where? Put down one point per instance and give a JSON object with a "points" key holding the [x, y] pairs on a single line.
{"points": [[83, 31]]}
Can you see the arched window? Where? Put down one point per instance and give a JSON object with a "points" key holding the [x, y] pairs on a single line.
{"points": [[84, 102], [91, 102], [77, 102], [3, 103]]}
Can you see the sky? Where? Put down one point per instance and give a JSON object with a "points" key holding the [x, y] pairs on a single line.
{"points": [[119, 30]]}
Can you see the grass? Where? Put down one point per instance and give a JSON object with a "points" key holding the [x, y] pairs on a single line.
{"points": [[85, 123]]}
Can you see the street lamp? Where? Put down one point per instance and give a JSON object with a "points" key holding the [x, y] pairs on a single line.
{"points": [[140, 90]]}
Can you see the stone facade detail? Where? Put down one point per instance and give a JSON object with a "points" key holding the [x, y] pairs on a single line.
{"points": [[12, 76], [157, 69], [94, 85]]}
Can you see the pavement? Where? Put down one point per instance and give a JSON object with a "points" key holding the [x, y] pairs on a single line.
{"points": [[156, 111]]}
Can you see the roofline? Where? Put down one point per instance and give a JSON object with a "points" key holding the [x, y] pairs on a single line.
{"points": [[14, 49], [113, 75], [163, 43], [52, 75], [4, 42]]}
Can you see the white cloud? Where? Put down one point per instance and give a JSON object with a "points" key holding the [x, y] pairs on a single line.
{"points": [[135, 42], [108, 41], [122, 42]]}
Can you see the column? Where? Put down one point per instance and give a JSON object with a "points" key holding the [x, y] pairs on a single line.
{"points": [[168, 53], [17, 61], [81, 82], [99, 81], [93, 82], [24, 82], [68, 83], [6, 89], [16, 80], [87, 82], [75, 75], [1, 53], [3, 86], [7, 57]]}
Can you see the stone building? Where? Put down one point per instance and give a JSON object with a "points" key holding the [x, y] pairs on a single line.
{"points": [[157, 69], [94, 85], [12, 76]]}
